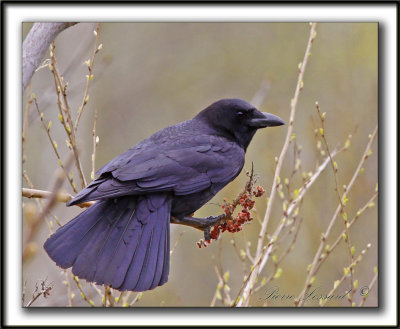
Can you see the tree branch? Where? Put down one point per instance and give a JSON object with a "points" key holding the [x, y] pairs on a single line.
{"points": [[262, 252], [61, 197], [261, 260], [35, 45], [300, 299], [299, 87]]}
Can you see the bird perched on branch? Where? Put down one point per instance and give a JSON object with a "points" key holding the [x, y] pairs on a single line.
{"points": [[123, 239]]}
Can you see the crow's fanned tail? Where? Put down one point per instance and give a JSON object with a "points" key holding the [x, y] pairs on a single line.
{"points": [[121, 242]]}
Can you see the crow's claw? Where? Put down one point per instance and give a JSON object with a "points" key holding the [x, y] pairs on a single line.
{"points": [[207, 233], [211, 220], [203, 224]]}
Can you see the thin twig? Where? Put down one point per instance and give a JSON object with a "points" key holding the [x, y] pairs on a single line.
{"points": [[95, 143], [95, 288], [108, 296], [342, 201], [60, 197], [89, 77], [242, 256], [136, 299], [44, 290], [259, 250], [266, 252], [54, 145], [299, 87], [40, 207], [247, 247], [27, 179], [346, 273], [329, 249], [119, 298], [300, 299], [64, 108], [281, 258], [304, 189], [67, 283], [372, 283], [51, 201], [222, 285], [83, 295]]}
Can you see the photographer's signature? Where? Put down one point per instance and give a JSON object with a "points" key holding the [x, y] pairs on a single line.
{"points": [[274, 293]]}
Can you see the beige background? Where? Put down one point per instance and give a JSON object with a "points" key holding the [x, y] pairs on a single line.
{"points": [[150, 75]]}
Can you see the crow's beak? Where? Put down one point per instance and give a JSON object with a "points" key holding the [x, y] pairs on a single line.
{"points": [[264, 119]]}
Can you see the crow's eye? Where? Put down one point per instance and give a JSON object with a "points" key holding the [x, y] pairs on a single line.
{"points": [[240, 114]]}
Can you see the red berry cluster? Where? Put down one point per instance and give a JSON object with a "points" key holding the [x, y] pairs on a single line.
{"points": [[231, 224], [259, 191]]}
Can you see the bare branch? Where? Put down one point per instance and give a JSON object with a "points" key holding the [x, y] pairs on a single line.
{"points": [[83, 295], [300, 299], [138, 296], [260, 262], [95, 143], [65, 112], [330, 249], [272, 276], [342, 201], [60, 197], [89, 77], [108, 296], [299, 87], [374, 279], [35, 45], [54, 145], [346, 273], [43, 290]]}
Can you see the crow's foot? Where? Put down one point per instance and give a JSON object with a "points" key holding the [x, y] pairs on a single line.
{"points": [[203, 224]]}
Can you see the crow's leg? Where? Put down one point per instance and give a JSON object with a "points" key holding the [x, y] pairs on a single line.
{"points": [[203, 224]]}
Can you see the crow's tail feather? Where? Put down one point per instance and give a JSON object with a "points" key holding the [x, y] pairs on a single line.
{"points": [[123, 243]]}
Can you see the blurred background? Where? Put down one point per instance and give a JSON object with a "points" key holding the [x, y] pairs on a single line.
{"points": [[150, 75]]}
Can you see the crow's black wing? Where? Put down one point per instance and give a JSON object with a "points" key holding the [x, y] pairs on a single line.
{"points": [[183, 166]]}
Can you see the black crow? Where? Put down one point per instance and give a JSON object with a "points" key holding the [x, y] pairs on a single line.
{"points": [[123, 239]]}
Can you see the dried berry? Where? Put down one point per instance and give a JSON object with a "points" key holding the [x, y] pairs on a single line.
{"points": [[232, 223]]}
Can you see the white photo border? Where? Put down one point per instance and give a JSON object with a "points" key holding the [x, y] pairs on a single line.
{"points": [[13, 16]]}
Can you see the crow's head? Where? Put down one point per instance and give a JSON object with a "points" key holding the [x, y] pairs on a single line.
{"points": [[237, 119]]}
